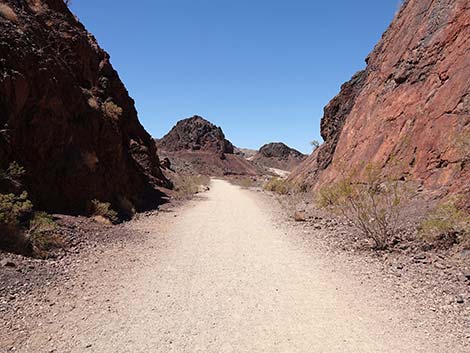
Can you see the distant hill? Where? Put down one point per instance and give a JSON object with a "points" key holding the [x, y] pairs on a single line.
{"points": [[196, 146], [279, 156]]}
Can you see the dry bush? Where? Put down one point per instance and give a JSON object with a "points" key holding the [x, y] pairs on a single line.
{"points": [[446, 225], [278, 186], [15, 209], [37, 6], [186, 186], [23, 230], [42, 235], [93, 103], [8, 13], [374, 205], [103, 209], [245, 181], [15, 212], [111, 110]]}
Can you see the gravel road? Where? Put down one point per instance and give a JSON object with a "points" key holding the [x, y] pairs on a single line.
{"points": [[220, 276]]}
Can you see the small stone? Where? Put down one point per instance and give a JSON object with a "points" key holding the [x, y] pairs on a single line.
{"points": [[420, 257], [400, 266], [459, 299], [7, 263], [300, 216]]}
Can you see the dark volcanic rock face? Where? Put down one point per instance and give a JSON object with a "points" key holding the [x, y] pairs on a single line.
{"points": [[279, 150], [66, 116], [409, 111], [196, 134], [278, 155]]}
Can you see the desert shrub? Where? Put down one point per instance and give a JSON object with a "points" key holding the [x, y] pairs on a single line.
{"points": [[93, 103], [187, 186], [13, 174], [315, 144], [42, 235], [373, 205], [15, 212], [301, 188], [278, 186], [15, 209], [446, 225], [244, 181], [111, 110], [8, 13], [103, 209], [37, 6], [15, 171], [23, 230]]}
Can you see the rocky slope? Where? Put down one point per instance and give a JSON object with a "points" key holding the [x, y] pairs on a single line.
{"points": [[408, 112], [196, 134], [196, 146], [278, 155], [66, 117]]}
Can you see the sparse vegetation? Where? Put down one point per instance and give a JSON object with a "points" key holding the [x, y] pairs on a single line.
{"points": [[13, 173], [446, 225], [37, 6], [23, 230], [15, 209], [8, 13], [315, 144], [244, 181], [111, 110], [93, 103], [301, 188], [187, 186], [42, 235], [278, 186], [103, 209], [372, 205]]}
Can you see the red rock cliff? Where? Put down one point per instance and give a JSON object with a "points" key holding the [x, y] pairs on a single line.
{"points": [[66, 116], [409, 111]]}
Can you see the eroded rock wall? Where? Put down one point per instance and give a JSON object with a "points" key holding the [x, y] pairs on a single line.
{"points": [[409, 111], [66, 116]]}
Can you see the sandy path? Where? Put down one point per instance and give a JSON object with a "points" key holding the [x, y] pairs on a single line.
{"points": [[227, 279]]}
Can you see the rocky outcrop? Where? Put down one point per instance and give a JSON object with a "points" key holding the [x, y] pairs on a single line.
{"points": [[196, 146], [196, 134], [409, 111], [66, 117], [278, 155]]}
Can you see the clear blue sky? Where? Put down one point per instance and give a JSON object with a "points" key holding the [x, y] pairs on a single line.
{"points": [[261, 69]]}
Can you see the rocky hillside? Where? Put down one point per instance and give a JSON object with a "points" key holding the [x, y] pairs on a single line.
{"points": [[196, 134], [408, 112], [66, 117], [196, 146], [278, 155]]}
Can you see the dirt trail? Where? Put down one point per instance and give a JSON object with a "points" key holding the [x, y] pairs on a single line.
{"points": [[223, 277]]}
